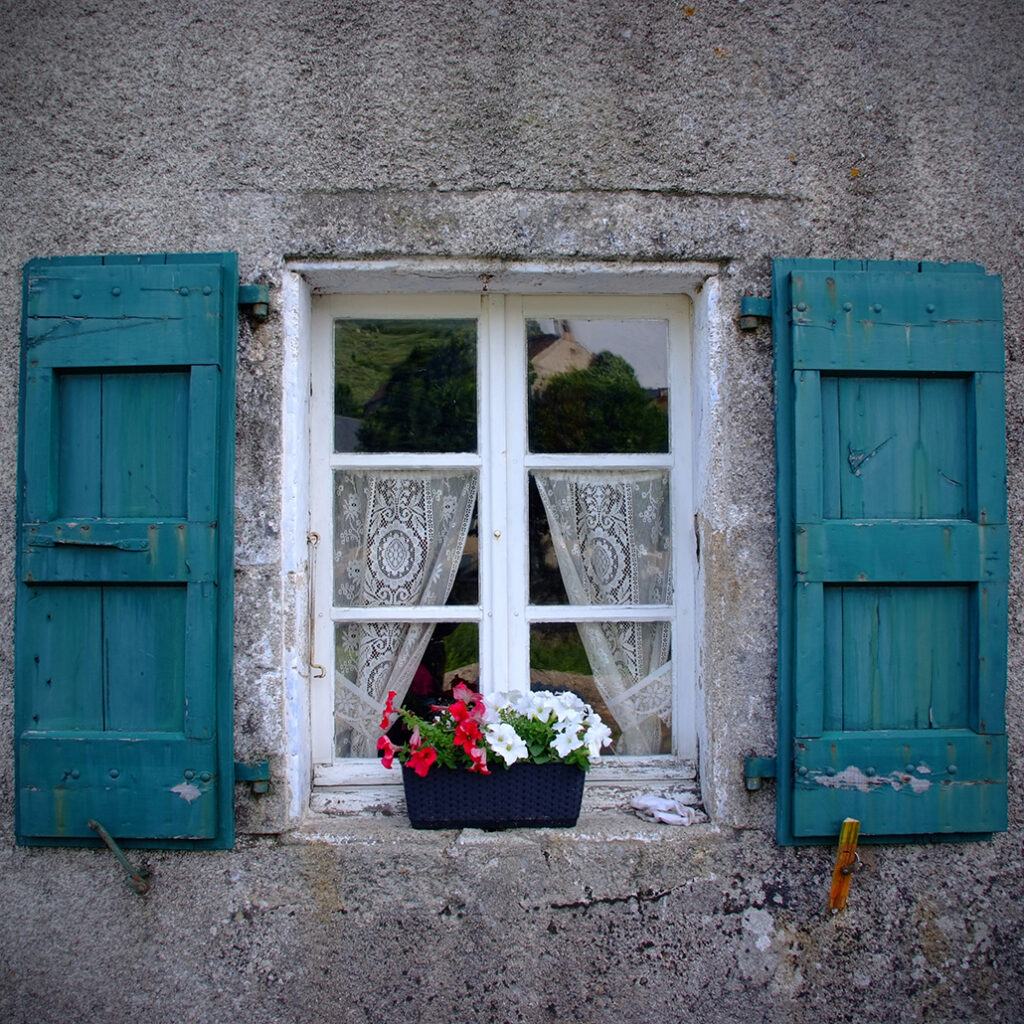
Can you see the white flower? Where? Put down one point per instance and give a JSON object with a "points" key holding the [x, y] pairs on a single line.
{"points": [[566, 742], [597, 736], [506, 742]]}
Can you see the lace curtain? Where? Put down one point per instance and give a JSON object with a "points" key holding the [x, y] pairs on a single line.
{"points": [[398, 539], [611, 535]]}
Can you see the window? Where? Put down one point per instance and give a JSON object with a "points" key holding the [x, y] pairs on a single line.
{"points": [[501, 492]]}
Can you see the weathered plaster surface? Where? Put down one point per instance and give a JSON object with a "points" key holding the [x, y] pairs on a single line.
{"points": [[714, 131], [602, 924]]}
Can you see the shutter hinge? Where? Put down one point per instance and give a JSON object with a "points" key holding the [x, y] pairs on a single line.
{"points": [[256, 773], [754, 310], [757, 769], [257, 296]]}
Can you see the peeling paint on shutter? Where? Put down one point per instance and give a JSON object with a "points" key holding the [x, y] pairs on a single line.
{"points": [[124, 598], [893, 550]]}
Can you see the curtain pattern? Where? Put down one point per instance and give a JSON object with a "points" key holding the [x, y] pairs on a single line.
{"points": [[398, 539], [611, 534]]}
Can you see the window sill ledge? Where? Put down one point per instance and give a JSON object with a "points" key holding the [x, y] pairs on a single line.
{"points": [[389, 829], [366, 788]]}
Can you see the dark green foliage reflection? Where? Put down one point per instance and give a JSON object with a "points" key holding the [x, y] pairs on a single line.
{"points": [[599, 408], [405, 386]]}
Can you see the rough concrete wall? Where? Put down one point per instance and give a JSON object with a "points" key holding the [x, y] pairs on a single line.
{"points": [[597, 925], [730, 132]]}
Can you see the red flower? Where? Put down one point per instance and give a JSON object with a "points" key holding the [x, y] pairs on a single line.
{"points": [[459, 711], [389, 751], [467, 732], [421, 760], [389, 711]]}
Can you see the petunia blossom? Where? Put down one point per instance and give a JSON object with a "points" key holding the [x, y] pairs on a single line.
{"points": [[565, 742], [384, 744], [506, 742], [389, 711], [420, 760]]}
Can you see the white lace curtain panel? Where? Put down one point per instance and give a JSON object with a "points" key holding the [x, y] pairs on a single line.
{"points": [[611, 534], [398, 539]]}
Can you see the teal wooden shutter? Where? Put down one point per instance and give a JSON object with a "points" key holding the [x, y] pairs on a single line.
{"points": [[893, 549], [123, 652]]}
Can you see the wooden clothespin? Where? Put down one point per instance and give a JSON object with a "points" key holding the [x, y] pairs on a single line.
{"points": [[846, 861]]}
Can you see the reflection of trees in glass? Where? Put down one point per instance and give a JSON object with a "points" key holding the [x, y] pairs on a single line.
{"points": [[392, 372], [600, 408], [344, 401]]}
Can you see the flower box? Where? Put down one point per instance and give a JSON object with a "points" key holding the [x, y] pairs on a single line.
{"points": [[524, 795]]}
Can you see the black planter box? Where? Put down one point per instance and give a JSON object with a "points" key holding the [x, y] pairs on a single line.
{"points": [[526, 795]]}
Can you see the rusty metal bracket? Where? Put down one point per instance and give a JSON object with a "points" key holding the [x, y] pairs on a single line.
{"points": [[847, 861], [138, 880]]}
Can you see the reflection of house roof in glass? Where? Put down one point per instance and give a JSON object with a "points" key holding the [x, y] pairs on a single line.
{"points": [[569, 345], [551, 354]]}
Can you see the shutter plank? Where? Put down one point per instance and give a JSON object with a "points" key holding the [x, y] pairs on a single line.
{"points": [[68, 778], [879, 550]]}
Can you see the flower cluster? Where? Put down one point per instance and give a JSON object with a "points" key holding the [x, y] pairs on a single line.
{"points": [[539, 726]]}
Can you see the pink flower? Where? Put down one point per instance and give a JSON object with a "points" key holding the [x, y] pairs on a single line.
{"points": [[479, 757], [462, 692], [421, 760]]}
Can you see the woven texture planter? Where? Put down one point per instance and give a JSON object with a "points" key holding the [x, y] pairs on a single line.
{"points": [[526, 795]]}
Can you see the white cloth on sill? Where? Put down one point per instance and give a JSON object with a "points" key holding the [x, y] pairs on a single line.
{"points": [[666, 810]]}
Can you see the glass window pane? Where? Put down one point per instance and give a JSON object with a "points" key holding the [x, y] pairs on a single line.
{"points": [[622, 669], [600, 537], [405, 385], [405, 537], [420, 661], [598, 385]]}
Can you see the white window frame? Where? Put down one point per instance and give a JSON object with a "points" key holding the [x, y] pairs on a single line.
{"points": [[312, 294]]}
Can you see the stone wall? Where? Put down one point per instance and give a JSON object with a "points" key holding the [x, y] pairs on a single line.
{"points": [[719, 132]]}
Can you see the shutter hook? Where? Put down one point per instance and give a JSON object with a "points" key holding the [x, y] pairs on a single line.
{"points": [[847, 859], [312, 540], [138, 880]]}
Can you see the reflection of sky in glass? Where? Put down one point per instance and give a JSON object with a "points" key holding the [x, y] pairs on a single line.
{"points": [[643, 343]]}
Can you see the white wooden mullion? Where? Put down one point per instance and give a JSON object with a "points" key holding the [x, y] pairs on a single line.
{"points": [[494, 513], [409, 613], [404, 460], [321, 536], [600, 613], [684, 552], [644, 461], [516, 668]]}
